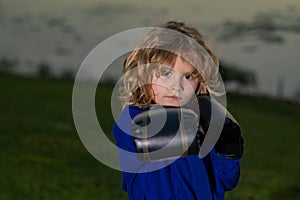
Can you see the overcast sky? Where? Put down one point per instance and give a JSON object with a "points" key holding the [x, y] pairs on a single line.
{"points": [[63, 32]]}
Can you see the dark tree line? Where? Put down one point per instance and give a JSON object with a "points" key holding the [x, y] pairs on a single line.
{"points": [[268, 27], [233, 74]]}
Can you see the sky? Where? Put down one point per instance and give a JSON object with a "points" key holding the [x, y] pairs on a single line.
{"points": [[62, 33]]}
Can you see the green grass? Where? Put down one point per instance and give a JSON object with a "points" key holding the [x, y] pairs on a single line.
{"points": [[42, 156], [270, 166]]}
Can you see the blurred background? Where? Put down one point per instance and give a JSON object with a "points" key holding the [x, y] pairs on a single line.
{"points": [[262, 37], [43, 43]]}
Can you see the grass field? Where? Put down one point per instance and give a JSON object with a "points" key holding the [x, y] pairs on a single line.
{"points": [[42, 156]]}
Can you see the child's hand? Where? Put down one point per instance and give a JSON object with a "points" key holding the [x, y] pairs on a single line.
{"points": [[230, 142]]}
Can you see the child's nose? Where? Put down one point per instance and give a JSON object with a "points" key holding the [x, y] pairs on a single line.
{"points": [[177, 84]]}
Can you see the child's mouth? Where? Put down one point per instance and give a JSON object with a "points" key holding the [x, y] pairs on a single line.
{"points": [[173, 98]]}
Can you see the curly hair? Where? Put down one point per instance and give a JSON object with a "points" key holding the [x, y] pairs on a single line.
{"points": [[161, 46]]}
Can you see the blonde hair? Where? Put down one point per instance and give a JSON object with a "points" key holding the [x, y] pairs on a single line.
{"points": [[161, 46]]}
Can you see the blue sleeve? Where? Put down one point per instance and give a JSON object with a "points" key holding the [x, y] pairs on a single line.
{"points": [[223, 173]]}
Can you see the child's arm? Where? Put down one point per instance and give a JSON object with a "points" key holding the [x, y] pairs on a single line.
{"points": [[223, 162], [223, 173]]}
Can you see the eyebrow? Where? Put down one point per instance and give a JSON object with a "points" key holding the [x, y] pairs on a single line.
{"points": [[194, 72]]}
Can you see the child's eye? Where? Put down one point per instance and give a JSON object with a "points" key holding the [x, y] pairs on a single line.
{"points": [[166, 73], [189, 77]]}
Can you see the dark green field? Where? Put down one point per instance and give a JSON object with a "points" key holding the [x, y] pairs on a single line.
{"points": [[42, 156]]}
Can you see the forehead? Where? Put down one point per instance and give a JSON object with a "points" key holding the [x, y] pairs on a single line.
{"points": [[181, 66]]}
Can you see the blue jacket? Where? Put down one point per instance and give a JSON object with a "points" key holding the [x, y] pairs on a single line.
{"points": [[185, 178]]}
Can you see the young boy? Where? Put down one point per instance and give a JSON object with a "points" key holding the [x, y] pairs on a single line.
{"points": [[172, 66]]}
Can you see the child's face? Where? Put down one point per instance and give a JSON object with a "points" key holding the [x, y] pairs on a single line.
{"points": [[175, 86]]}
